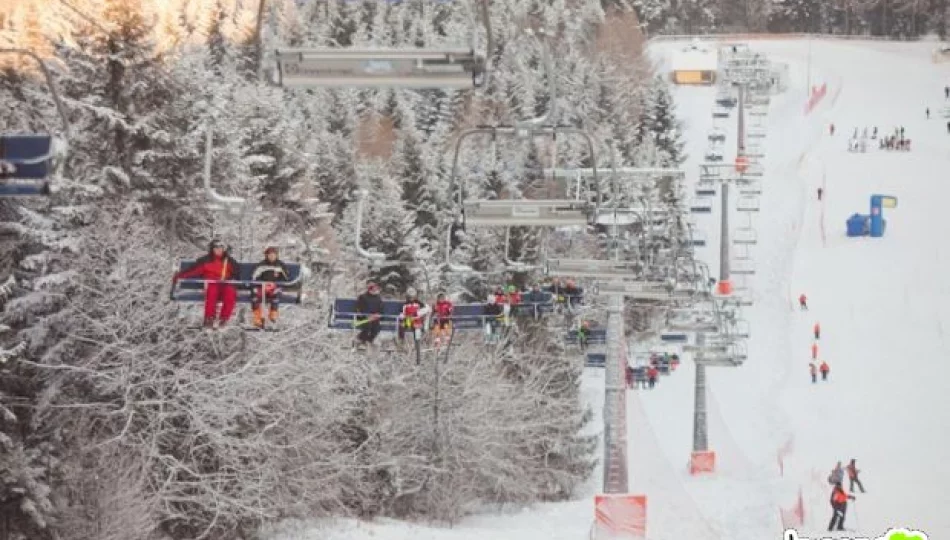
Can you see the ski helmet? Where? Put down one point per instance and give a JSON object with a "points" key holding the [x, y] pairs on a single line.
{"points": [[411, 292], [269, 250], [216, 243]]}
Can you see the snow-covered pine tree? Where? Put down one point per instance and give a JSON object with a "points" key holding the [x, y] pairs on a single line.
{"points": [[665, 127]]}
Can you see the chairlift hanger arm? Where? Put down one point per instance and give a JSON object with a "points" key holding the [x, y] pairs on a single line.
{"points": [[213, 195]]}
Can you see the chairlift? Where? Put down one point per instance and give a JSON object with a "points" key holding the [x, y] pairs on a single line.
{"points": [[749, 186], [734, 357], [700, 209], [28, 161], [595, 360], [194, 290], [420, 68], [744, 267], [592, 268], [717, 135], [742, 253], [706, 192], [698, 238], [747, 204], [674, 337]]}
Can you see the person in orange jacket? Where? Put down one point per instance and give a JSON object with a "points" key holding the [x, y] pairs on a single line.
{"points": [[814, 351], [824, 370], [817, 330], [214, 268], [813, 370], [803, 302], [839, 507]]}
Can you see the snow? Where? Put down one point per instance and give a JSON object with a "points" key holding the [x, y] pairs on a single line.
{"points": [[568, 520], [882, 304]]}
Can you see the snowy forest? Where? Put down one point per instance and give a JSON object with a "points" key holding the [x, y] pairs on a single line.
{"points": [[903, 19], [120, 420]]}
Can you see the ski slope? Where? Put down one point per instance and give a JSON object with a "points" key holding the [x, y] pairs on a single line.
{"points": [[882, 304]]}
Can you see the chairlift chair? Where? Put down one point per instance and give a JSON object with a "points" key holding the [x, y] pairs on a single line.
{"points": [[747, 204], [749, 186], [28, 161], [421, 68], [706, 192], [743, 267]]}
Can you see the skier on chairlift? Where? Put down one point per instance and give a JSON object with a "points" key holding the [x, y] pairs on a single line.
{"points": [[369, 310], [442, 322], [215, 269], [413, 315], [494, 312], [272, 271]]}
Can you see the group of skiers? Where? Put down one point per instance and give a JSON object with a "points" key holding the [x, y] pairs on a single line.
{"points": [[498, 311], [647, 376], [221, 276], [895, 141], [840, 497], [813, 367]]}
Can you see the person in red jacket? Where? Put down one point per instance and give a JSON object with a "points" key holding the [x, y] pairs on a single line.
{"points": [[442, 322], [824, 369], [652, 375], [213, 268]]}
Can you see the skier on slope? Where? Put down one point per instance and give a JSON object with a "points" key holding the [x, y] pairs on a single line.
{"points": [[271, 271], [820, 192], [817, 330], [831, 129], [824, 369], [814, 351], [839, 507], [803, 302], [215, 268], [813, 371], [837, 475], [928, 113], [853, 471]]}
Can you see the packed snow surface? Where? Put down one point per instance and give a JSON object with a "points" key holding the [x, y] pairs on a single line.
{"points": [[882, 304]]}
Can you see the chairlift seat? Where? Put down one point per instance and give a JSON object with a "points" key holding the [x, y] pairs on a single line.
{"points": [[705, 192], [602, 269], [193, 290], [379, 68], [597, 336], [595, 360], [527, 213], [26, 163], [670, 337], [697, 209]]}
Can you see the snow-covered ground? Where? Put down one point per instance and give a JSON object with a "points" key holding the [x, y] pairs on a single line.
{"points": [[882, 304]]}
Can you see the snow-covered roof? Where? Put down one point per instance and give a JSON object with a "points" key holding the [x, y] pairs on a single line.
{"points": [[695, 57]]}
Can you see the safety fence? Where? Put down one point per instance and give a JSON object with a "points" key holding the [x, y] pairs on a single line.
{"points": [[818, 93], [792, 516]]}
